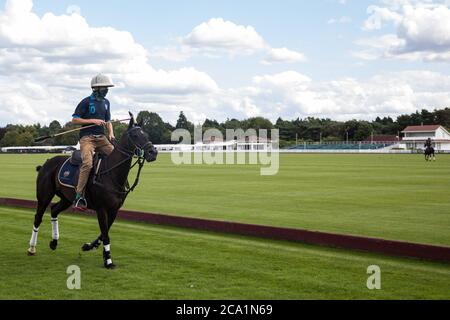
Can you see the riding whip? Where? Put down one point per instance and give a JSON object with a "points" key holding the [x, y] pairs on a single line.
{"points": [[40, 139]]}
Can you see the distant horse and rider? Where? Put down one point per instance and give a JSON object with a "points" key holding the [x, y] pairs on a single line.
{"points": [[105, 186], [429, 151]]}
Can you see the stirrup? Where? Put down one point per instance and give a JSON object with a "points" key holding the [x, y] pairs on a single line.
{"points": [[80, 204]]}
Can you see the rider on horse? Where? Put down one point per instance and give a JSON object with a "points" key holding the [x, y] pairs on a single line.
{"points": [[93, 110], [428, 143]]}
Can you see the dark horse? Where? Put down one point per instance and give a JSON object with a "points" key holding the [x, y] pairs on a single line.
{"points": [[105, 197], [430, 154]]}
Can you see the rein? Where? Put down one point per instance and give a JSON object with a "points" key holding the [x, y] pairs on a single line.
{"points": [[137, 152]]}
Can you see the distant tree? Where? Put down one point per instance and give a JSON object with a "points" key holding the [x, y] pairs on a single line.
{"points": [[404, 121], [19, 136], [416, 119], [155, 127], [169, 127], [363, 131], [10, 138], [2, 132], [119, 129], [182, 122], [54, 127], [24, 138], [287, 130], [211, 124], [351, 128], [232, 124], [443, 117], [428, 117], [258, 123], [69, 139], [333, 131]]}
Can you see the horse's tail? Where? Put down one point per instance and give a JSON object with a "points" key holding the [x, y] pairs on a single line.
{"points": [[38, 168]]}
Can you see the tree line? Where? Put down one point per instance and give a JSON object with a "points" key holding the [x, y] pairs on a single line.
{"points": [[291, 131]]}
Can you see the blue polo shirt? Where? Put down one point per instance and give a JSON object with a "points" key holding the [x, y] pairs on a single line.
{"points": [[90, 108]]}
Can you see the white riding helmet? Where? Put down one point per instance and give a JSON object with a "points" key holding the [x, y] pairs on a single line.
{"points": [[101, 80]]}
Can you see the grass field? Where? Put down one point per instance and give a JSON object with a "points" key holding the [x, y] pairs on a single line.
{"points": [[170, 263], [398, 197]]}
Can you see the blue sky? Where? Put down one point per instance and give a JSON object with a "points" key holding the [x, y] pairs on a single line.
{"points": [[349, 53]]}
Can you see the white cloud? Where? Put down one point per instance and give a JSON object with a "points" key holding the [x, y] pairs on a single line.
{"points": [[49, 61], [175, 54], [283, 55], [379, 16], [296, 95], [218, 34], [217, 37], [422, 30]]}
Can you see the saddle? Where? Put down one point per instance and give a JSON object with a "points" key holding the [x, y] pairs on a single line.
{"points": [[70, 170]]}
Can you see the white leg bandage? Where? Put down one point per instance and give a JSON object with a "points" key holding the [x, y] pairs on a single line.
{"points": [[34, 237], [55, 229], [107, 248]]}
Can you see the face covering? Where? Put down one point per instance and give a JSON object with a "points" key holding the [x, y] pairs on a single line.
{"points": [[100, 94]]}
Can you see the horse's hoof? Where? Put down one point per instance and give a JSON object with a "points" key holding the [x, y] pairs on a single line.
{"points": [[53, 244], [31, 252], [110, 266], [86, 247]]}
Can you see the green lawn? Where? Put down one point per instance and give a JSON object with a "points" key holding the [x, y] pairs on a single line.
{"points": [[170, 263], [391, 196]]}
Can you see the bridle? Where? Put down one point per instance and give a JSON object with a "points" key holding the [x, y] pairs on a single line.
{"points": [[132, 150]]}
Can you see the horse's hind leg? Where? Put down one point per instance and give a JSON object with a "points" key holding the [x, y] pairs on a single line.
{"points": [[56, 210], [43, 203]]}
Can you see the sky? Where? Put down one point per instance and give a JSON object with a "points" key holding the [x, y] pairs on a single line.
{"points": [[340, 59]]}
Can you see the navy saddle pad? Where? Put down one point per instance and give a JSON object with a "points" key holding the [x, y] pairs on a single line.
{"points": [[68, 174], [70, 170]]}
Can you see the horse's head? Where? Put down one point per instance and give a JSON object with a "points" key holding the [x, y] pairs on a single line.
{"points": [[137, 141]]}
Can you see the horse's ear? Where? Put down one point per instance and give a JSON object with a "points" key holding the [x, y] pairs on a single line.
{"points": [[141, 123], [132, 122]]}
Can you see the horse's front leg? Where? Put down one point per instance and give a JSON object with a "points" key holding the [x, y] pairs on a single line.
{"points": [[97, 242], [92, 245]]}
